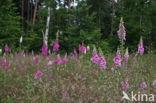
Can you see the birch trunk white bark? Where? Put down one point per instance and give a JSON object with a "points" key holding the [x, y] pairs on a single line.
{"points": [[47, 28]]}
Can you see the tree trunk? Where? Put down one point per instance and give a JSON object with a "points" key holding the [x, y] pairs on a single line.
{"points": [[69, 21], [28, 15], [47, 28], [22, 13], [35, 10], [31, 11], [112, 26]]}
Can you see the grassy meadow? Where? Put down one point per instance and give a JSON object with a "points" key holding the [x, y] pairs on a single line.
{"points": [[78, 81]]}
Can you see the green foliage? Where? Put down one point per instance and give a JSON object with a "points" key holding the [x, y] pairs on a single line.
{"points": [[89, 21], [10, 26]]}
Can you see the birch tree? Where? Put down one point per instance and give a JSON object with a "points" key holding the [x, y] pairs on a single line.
{"points": [[47, 28]]}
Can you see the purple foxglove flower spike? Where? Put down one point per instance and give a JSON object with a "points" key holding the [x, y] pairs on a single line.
{"points": [[36, 60], [126, 56], [4, 63], [44, 49], [88, 48], [75, 53], [32, 52], [65, 59], [56, 45], [102, 63], [49, 63], [58, 60], [95, 58], [117, 60], [125, 86], [7, 48], [119, 31], [38, 74], [22, 52], [141, 47]]}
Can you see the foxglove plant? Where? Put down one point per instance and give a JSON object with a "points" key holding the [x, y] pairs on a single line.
{"points": [[56, 45], [143, 85], [7, 48], [44, 49], [88, 48], [96, 73], [102, 61], [49, 52], [75, 53], [95, 58], [126, 56], [22, 52], [32, 53], [125, 86], [117, 60], [154, 84], [58, 60], [8, 70], [38, 74], [122, 36], [64, 94], [82, 49], [4, 63], [36, 60], [65, 59], [141, 47], [49, 63]]}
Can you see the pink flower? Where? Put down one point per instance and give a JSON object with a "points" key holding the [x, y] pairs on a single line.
{"points": [[32, 53], [119, 32], [64, 59], [102, 63], [16, 54], [56, 45], [126, 58], [143, 85], [141, 49], [117, 60], [95, 58], [58, 60], [96, 73], [38, 74], [7, 48], [82, 49], [4, 63], [22, 52], [134, 58], [64, 94], [49, 63], [36, 60], [154, 83], [49, 51], [44, 49], [8, 70], [75, 53], [125, 86], [88, 48], [73, 56]]}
